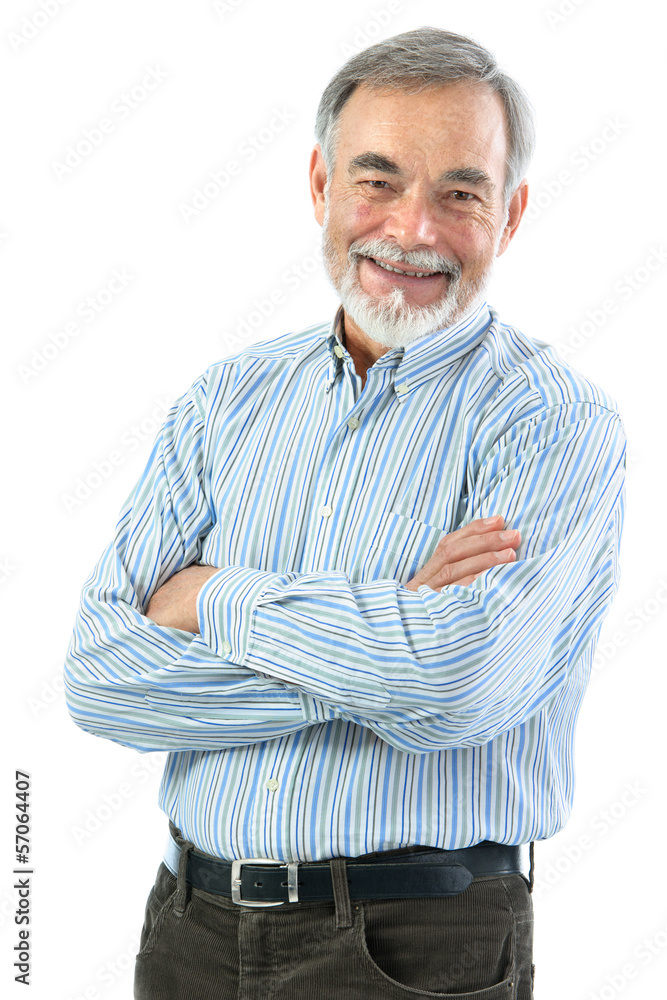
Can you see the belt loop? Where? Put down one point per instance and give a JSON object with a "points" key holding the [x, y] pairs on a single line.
{"points": [[341, 893], [181, 897], [531, 878]]}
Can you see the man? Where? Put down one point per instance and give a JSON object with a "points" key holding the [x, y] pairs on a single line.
{"points": [[357, 590]]}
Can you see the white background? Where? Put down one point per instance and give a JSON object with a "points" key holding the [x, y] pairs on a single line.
{"points": [[218, 78]]}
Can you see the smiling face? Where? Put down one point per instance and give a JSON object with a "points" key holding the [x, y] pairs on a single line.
{"points": [[414, 213]]}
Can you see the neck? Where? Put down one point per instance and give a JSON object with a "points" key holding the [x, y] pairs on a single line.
{"points": [[363, 351]]}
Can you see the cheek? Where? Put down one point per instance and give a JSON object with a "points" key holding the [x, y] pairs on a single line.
{"points": [[364, 216], [354, 223], [470, 241], [360, 223]]}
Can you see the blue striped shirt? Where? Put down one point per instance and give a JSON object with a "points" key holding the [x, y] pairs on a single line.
{"points": [[326, 710]]}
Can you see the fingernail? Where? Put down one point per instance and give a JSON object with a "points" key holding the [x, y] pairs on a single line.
{"points": [[491, 520], [507, 536]]}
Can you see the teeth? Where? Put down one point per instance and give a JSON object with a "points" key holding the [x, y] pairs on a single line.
{"points": [[410, 274]]}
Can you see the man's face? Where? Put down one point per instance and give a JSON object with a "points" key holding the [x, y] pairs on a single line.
{"points": [[417, 186]]}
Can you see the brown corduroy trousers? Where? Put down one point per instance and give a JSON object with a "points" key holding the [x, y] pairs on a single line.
{"points": [[474, 946]]}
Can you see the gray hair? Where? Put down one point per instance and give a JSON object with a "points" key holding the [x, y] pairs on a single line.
{"points": [[429, 57]]}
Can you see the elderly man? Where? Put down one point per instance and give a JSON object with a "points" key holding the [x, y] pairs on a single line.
{"points": [[357, 590]]}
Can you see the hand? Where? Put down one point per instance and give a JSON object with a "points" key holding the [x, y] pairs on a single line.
{"points": [[174, 604], [464, 554]]}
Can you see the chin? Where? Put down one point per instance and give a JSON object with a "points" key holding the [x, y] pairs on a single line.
{"points": [[389, 320], [392, 322]]}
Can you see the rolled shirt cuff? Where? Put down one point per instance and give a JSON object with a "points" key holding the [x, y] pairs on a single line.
{"points": [[225, 607]]}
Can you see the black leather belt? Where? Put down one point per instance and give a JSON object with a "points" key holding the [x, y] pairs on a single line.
{"points": [[395, 875]]}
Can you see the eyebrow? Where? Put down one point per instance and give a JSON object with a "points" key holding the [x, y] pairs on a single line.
{"points": [[468, 175], [373, 161], [376, 161]]}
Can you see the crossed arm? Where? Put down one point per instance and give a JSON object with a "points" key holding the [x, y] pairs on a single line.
{"points": [[169, 654], [459, 558]]}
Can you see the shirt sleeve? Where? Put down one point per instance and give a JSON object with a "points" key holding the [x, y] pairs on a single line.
{"points": [[429, 670], [151, 687]]}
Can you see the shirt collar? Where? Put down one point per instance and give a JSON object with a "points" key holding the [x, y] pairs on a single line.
{"points": [[425, 358]]}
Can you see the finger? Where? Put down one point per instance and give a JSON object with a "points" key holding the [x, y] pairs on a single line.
{"points": [[457, 546], [454, 549], [469, 568], [479, 526]]}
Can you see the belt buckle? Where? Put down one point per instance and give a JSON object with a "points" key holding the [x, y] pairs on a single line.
{"points": [[292, 887]]}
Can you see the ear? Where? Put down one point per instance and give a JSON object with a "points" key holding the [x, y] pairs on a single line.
{"points": [[318, 180], [515, 210]]}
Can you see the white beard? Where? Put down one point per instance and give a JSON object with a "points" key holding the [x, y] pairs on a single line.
{"points": [[391, 321]]}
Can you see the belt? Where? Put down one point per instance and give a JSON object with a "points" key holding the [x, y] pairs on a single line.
{"points": [[419, 874]]}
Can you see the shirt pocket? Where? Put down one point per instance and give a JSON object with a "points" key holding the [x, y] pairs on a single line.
{"points": [[400, 547]]}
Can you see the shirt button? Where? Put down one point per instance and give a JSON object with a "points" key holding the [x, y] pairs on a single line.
{"points": [[338, 351], [272, 784], [326, 511], [402, 388], [226, 648], [353, 423]]}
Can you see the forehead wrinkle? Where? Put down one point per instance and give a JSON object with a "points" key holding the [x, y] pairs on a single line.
{"points": [[392, 137]]}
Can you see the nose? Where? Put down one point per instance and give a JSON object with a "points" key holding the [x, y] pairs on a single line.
{"points": [[412, 221]]}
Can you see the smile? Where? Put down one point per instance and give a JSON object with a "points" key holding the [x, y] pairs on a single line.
{"points": [[408, 274]]}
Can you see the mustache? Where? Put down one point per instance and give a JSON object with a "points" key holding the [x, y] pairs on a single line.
{"points": [[427, 260]]}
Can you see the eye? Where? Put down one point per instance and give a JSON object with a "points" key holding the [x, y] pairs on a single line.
{"points": [[463, 195], [377, 185]]}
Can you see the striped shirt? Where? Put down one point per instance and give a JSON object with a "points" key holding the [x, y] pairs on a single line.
{"points": [[326, 710]]}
